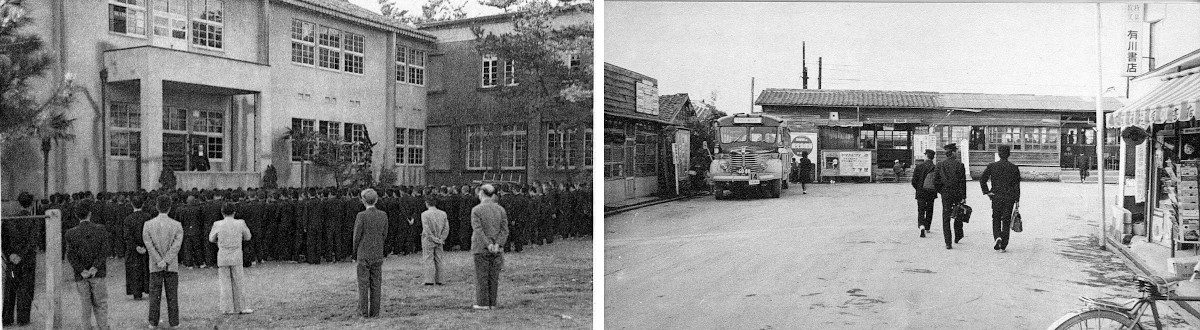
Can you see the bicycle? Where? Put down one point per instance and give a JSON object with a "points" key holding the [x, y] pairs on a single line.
{"points": [[1100, 314]]}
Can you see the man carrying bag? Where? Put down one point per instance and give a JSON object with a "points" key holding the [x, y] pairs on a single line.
{"points": [[951, 182], [1005, 192]]}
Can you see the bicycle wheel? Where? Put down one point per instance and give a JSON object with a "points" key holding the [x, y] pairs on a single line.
{"points": [[1096, 319]]}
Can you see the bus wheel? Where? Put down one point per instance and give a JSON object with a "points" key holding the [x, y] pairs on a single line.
{"points": [[776, 188]]}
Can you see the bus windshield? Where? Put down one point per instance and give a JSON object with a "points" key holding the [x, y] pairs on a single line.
{"points": [[749, 134]]}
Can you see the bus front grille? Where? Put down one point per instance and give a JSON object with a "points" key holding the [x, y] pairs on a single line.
{"points": [[751, 162]]}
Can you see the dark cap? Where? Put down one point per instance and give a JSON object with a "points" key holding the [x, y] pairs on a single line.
{"points": [[951, 147], [930, 153]]}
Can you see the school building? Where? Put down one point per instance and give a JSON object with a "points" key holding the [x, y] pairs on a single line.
{"points": [[158, 79]]}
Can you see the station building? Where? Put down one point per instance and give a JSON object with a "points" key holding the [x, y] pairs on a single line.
{"points": [[1047, 133]]}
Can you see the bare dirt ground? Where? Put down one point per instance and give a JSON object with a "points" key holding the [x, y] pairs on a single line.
{"points": [[848, 256], [544, 287]]}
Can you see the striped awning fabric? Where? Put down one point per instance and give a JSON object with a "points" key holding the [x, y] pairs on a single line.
{"points": [[1177, 99]]}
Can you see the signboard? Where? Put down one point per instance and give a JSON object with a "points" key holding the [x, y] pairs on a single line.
{"points": [[646, 98], [803, 143], [1132, 37], [1139, 171], [747, 120], [921, 142], [846, 163]]}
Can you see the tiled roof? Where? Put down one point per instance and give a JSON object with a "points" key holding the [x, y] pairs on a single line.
{"points": [[353, 10], [834, 97], [671, 106], [907, 99], [1025, 102]]}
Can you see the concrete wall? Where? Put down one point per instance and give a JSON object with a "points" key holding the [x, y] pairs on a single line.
{"points": [[139, 75]]}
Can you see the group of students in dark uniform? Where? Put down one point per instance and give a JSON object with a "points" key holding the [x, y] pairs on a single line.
{"points": [[311, 225]]}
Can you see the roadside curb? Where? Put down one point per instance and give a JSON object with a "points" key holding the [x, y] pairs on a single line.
{"points": [[645, 204], [1192, 315]]}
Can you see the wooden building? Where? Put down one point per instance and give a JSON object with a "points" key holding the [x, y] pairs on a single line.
{"points": [[639, 127], [1047, 133]]}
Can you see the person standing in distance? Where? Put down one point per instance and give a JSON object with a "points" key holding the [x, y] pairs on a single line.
{"points": [[20, 264], [137, 268], [434, 229], [87, 249], [489, 232], [1005, 192], [951, 182], [163, 237], [924, 196], [370, 235], [806, 169], [229, 233]]}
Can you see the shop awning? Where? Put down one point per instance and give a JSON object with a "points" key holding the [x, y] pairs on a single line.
{"points": [[1177, 99]]}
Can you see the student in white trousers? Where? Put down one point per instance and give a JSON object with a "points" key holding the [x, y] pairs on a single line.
{"points": [[229, 233]]}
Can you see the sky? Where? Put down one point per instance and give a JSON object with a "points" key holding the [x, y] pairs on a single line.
{"points": [[473, 7], [707, 48]]}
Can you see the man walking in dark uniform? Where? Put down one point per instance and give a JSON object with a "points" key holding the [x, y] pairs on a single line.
{"points": [[924, 196], [1005, 191], [20, 262], [952, 184]]}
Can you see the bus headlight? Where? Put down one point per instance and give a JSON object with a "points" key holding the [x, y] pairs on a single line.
{"points": [[774, 165], [719, 166]]}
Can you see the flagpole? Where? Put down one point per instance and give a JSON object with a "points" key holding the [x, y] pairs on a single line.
{"points": [[1100, 130]]}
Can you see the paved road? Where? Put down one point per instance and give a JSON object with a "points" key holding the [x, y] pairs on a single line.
{"points": [[848, 256]]}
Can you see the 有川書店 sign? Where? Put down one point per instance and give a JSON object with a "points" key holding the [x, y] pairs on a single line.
{"points": [[1135, 16]]}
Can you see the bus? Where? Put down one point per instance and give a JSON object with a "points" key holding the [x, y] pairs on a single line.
{"points": [[751, 153]]}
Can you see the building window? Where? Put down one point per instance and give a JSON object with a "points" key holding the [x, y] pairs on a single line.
{"points": [[477, 154], [329, 55], [897, 140], [175, 119], [207, 23], [215, 147], [562, 151], [490, 73], [300, 125], [416, 146], [331, 129], [125, 115], [125, 143], [645, 152], [401, 64], [354, 52], [126, 121], [357, 133], [209, 122], [510, 72], [513, 147], [614, 149], [587, 148], [1041, 139], [169, 19], [416, 67], [127, 17], [574, 62], [833, 137], [303, 42], [400, 139], [866, 139]]}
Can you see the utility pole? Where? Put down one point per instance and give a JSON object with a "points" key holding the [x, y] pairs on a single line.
{"points": [[803, 65], [818, 72], [1100, 136], [751, 94]]}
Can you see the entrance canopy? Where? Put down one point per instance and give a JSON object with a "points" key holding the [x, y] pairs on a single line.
{"points": [[1177, 99]]}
